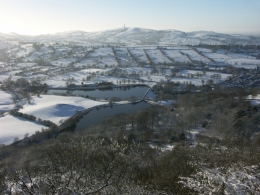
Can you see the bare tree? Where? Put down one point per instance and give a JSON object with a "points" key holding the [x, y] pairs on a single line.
{"points": [[83, 167]]}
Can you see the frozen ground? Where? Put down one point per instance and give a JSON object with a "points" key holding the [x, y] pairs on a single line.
{"points": [[56, 108]]}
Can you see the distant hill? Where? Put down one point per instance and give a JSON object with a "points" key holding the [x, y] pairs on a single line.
{"points": [[140, 36]]}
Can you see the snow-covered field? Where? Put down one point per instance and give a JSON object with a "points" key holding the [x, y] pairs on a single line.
{"points": [[195, 56], [122, 53], [139, 55], [176, 56], [217, 57], [124, 57], [157, 57], [6, 102], [56, 108], [5, 98], [12, 127]]}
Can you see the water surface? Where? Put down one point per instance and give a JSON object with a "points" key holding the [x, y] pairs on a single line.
{"points": [[121, 92], [97, 116]]}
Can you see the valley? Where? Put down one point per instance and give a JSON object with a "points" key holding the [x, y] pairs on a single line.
{"points": [[44, 65], [153, 97]]}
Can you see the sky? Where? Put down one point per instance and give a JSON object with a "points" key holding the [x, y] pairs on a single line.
{"points": [[34, 17]]}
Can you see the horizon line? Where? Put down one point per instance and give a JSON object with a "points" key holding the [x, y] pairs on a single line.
{"points": [[42, 34]]}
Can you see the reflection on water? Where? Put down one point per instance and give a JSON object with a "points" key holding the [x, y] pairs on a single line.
{"points": [[96, 116], [121, 92]]}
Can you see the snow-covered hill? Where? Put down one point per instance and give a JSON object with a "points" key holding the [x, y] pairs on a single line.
{"points": [[140, 36]]}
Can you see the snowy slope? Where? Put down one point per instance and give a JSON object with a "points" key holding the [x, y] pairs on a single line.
{"points": [[140, 36]]}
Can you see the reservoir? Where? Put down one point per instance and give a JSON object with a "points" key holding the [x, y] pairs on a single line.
{"points": [[96, 116], [119, 92]]}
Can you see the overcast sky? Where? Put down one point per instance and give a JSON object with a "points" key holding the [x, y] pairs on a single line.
{"points": [[34, 17]]}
